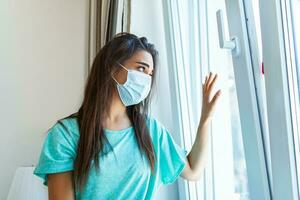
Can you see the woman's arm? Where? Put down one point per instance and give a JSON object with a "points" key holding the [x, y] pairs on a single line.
{"points": [[196, 159], [60, 186]]}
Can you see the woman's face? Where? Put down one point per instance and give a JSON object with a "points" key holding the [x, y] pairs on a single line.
{"points": [[140, 61]]}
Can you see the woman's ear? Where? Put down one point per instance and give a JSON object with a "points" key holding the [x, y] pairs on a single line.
{"points": [[114, 71], [119, 76]]}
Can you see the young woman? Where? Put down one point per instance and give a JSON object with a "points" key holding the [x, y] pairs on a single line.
{"points": [[112, 148]]}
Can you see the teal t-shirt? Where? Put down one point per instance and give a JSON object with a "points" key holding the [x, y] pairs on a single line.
{"points": [[124, 173]]}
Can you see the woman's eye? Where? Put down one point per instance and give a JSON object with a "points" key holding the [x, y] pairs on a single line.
{"points": [[140, 68]]}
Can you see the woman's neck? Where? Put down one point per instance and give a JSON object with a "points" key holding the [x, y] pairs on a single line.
{"points": [[117, 108], [117, 117]]}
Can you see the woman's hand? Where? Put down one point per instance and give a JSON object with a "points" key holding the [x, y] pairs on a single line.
{"points": [[208, 103], [197, 158]]}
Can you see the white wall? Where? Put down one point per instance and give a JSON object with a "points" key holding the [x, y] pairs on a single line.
{"points": [[43, 68], [147, 20], [43, 58]]}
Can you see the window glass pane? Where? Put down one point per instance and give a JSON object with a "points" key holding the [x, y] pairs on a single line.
{"points": [[256, 48], [295, 6], [292, 64], [229, 175], [295, 74], [292, 42]]}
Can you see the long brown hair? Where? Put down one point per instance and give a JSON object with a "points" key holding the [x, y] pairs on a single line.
{"points": [[97, 101]]}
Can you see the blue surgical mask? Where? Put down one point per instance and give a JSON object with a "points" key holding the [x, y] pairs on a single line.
{"points": [[135, 89]]}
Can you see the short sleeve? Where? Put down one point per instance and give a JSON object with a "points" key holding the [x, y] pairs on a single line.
{"points": [[58, 152], [172, 158]]}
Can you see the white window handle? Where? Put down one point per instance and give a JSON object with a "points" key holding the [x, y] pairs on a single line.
{"points": [[233, 44]]}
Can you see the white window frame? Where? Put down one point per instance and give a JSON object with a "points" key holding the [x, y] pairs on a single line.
{"points": [[248, 104], [276, 62], [180, 101], [252, 130]]}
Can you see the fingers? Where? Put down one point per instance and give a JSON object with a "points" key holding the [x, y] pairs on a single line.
{"points": [[215, 98], [210, 81], [211, 85], [207, 87], [205, 84]]}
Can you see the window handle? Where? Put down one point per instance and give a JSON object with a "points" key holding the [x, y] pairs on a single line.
{"points": [[232, 44]]}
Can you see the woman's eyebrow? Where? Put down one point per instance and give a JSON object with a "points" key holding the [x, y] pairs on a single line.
{"points": [[143, 64]]}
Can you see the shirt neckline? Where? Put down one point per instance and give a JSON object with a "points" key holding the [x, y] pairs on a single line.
{"points": [[118, 131]]}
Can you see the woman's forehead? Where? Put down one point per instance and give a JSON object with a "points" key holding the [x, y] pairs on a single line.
{"points": [[141, 57]]}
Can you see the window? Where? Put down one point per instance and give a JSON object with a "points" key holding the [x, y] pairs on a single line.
{"points": [[294, 78], [280, 58], [292, 39], [228, 165], [194, 38], [254, 47]]}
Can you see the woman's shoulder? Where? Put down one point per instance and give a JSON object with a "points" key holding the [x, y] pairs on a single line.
{"points": [[70, 124], [155, 125], [64, 130], [59, 149]]}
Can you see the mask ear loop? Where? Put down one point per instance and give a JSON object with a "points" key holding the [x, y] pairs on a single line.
{"points": [[123, 68], [115, 80]]}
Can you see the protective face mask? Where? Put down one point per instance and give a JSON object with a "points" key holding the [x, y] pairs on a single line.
{"points": [[135, 89]]}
